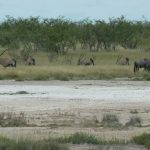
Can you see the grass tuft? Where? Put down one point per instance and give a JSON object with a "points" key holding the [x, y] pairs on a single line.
{"points": [[82, 138], [13, 120], [7, 144], [134, 122], [105, 68], [143, 139], [22, 92], [60, 143], [134, 111], [111, 121]]}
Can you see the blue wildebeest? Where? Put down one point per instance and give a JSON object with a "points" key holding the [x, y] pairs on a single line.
{"points": [[144, 63]]}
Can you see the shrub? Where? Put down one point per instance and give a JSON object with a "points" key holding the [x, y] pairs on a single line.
{"points": [[21, 92], [134, 111], [12, 120], [79, 138], [7, 144], [143, 139], [111, 121], [82, 138], [134, 121]]}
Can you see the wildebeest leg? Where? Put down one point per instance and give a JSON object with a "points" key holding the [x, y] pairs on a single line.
{"points": [[135, 67], [92, 61], [148, 67]]}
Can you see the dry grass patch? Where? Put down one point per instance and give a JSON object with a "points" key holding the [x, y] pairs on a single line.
{"points": [[134, 121], [111, 121], [135, 111], [13, 120], [60, 69]]}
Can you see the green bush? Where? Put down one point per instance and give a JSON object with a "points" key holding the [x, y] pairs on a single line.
{"points": [[134, 121], [143, 139], [134, 111], [111, 121], [81, 138], [7, 144], [13, 120]]}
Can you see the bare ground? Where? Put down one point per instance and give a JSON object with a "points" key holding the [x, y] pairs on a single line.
{"points": [[51, 114]]}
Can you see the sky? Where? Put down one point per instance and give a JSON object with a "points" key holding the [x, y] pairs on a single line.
{"points": [[76, 9]]}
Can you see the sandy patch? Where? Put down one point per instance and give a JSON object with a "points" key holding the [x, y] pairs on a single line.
{"points": [[65, 107]]}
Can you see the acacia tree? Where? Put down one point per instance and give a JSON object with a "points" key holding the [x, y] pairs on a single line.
{"points": [[57, 36]]}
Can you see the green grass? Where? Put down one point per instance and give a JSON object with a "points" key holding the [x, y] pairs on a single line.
{"points": [[16, 93], [134, 121], [111, 121], [143, 139], [13, 120], [65, 67], [51, 144], [21, 92], [62, 143], [82, 138], [134, 111]]}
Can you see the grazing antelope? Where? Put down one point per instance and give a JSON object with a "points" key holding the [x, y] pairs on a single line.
{"points": [[30, 61], [7, 62], [122, 60], [85, 62]]}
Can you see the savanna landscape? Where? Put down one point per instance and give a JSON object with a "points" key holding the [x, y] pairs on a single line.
{"points": [[72, 85]]}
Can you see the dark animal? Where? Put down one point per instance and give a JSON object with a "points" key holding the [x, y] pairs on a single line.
{"points": [[147, 66], [86, 62], [8, 62], [144, 63], [30, 61], [122, 60]]}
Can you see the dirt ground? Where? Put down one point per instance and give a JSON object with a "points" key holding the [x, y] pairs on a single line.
{"points": [[52, 114]]}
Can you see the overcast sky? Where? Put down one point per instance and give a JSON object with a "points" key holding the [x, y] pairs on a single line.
{"points": [[76, 9]]}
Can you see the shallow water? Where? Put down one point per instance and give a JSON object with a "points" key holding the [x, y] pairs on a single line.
{"points": [[101, 92]]}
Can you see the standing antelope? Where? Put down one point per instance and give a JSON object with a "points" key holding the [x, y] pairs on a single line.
{"points": [[7, 62], [122, 60], [85, 62], [30, 61]]}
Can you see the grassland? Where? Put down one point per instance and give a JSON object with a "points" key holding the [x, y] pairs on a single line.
{"points": [[65, 142], [143, 139], [103, 123], [64, 67]]}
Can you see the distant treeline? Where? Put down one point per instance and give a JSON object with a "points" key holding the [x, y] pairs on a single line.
{"points": [[59, 35]]}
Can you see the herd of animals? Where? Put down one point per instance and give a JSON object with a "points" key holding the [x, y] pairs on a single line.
{"points": [[143, 63], [9, 62]]}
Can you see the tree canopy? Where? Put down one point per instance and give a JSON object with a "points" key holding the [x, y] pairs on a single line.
{"points": [[59, 35]]}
